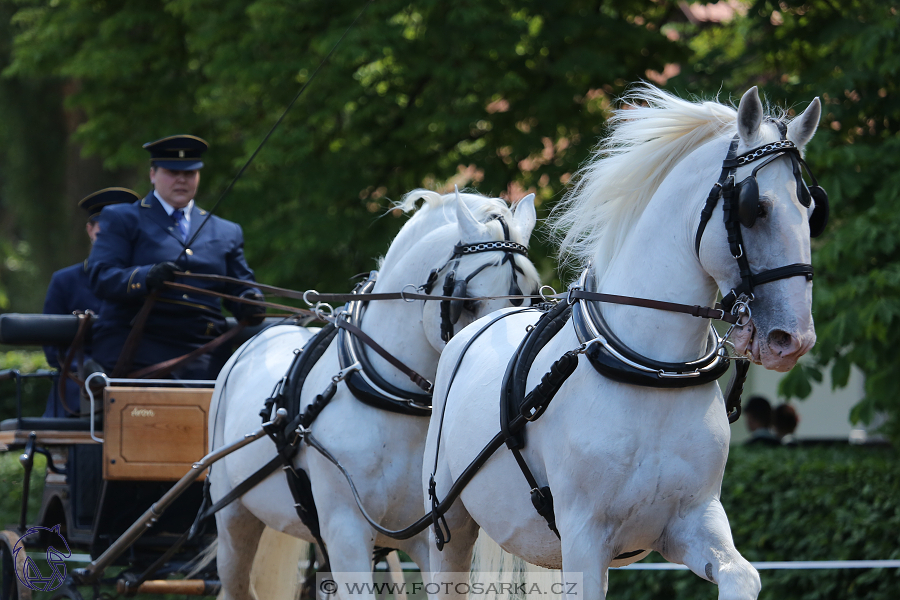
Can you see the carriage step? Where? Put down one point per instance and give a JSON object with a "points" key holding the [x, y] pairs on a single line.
{"points": [[185, 587]]}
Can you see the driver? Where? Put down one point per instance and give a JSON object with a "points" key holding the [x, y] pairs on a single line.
{"points": [[140, 247]]}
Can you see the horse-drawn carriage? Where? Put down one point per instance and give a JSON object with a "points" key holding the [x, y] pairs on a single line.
{"points": [[103, 474], [633, 448]]}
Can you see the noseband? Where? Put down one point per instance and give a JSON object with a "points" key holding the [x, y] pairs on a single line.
{"points": [[741, 206], [451, 310]]}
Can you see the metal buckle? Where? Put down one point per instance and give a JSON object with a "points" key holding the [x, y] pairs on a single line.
{"points": [[569, 300]]}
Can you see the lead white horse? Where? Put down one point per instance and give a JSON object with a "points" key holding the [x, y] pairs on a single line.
{"points": [[629, 467], [381, 450]]}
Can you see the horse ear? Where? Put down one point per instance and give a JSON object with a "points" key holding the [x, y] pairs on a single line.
{"points": [[801, 129], [525, 216], [750, 115], [470, 230]]}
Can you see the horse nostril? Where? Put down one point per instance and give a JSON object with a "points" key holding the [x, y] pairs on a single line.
{"points": [[783, 342]]}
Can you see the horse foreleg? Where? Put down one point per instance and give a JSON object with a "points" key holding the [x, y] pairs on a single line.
{"points": [[702, 541], [238, 537], [350, 543], [450, 566], [586, 550]]}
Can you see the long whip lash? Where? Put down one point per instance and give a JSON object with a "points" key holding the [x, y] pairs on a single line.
{"points": [[272, 130]]}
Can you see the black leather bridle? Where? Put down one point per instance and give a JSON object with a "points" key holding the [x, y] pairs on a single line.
{"points": [[741, 205], [451, 310]]}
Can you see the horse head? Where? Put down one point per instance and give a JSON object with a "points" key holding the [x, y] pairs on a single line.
{"points": [[760, 260], [490, 259]]}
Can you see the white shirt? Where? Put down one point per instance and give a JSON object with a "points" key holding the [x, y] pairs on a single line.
{"points": [[170, 209]]}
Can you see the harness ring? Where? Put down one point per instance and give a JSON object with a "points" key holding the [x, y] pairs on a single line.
{"points": [[547, 297], [415, 289], [308, 303]]}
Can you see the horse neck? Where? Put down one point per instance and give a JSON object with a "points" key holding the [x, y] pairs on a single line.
{"points": [[397, 325], [657, 262]]}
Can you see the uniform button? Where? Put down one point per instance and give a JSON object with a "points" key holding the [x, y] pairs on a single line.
{"points": [[171, 227], [186, 297], [187, 272], [189, 252], [137, 285]]}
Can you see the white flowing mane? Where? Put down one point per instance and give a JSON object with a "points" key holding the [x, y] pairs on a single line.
{"points": [[647, 139], [438, 210]]}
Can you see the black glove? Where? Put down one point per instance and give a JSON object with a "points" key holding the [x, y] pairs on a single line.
{"points": [[250, 313], [159, 273]]}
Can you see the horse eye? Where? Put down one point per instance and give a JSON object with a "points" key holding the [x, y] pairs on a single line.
{"points": [[761, 211], [470, 306]]}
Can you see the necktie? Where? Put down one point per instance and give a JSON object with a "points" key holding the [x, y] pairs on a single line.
{"points": [[181, 223]]}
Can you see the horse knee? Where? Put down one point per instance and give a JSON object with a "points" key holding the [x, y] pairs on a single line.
{"points": [[738, 580]]}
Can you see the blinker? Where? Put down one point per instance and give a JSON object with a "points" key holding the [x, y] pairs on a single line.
{"points": [[456, 306], [819, 218], [748, 201]]}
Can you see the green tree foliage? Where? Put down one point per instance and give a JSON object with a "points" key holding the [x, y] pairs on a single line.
{"points": [[499, 96], [848, 54]]}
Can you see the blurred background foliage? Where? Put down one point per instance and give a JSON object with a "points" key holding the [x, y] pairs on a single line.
{"points": [[503, 97]]}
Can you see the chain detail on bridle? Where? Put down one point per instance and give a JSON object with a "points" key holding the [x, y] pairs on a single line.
{"points": [[464, 249], [757, 153]]}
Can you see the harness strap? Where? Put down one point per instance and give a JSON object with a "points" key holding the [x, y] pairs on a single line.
{"points": [[84, 319], [703, 312], [312, 296], [735, 389], [134, 336], [420, 381], [715, 192], [166, 367], [242, 488]]}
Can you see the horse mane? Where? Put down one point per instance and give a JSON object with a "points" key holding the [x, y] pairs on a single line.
{"points": [[438, 210], [647, 137]]}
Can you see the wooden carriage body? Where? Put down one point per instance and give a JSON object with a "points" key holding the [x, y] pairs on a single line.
{"points": [[105, 474]]}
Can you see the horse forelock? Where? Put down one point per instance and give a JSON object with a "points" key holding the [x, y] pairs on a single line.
{"points": [[647, 138], [439, 210]]}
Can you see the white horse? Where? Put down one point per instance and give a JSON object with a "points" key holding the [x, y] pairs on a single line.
{"points": [[381, 450], [630, 467]]}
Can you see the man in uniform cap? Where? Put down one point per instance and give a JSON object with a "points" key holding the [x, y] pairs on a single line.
{"points": [[70, 292], [142, 245]]}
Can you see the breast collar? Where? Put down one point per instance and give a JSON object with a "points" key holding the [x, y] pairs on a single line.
{"points": [[364, 381], [613, 359]]}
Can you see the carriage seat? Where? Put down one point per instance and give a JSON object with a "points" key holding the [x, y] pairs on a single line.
{"points": [[45, 424]]}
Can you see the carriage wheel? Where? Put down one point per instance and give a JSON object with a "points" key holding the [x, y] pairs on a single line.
{"points": [[9, 584], [67, 593]]}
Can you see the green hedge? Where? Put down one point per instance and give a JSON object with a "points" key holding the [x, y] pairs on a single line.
{"points": [[34, 391], [812, 504]]}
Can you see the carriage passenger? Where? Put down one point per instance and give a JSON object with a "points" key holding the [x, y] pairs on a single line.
{"points": [[142, 245], [70, 292]]}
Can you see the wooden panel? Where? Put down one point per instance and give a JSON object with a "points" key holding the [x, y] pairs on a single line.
{"points": [[154, 434]]}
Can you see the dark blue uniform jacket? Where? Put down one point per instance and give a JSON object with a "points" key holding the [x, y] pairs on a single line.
{"points": [[69, 291], [134, 237]]}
